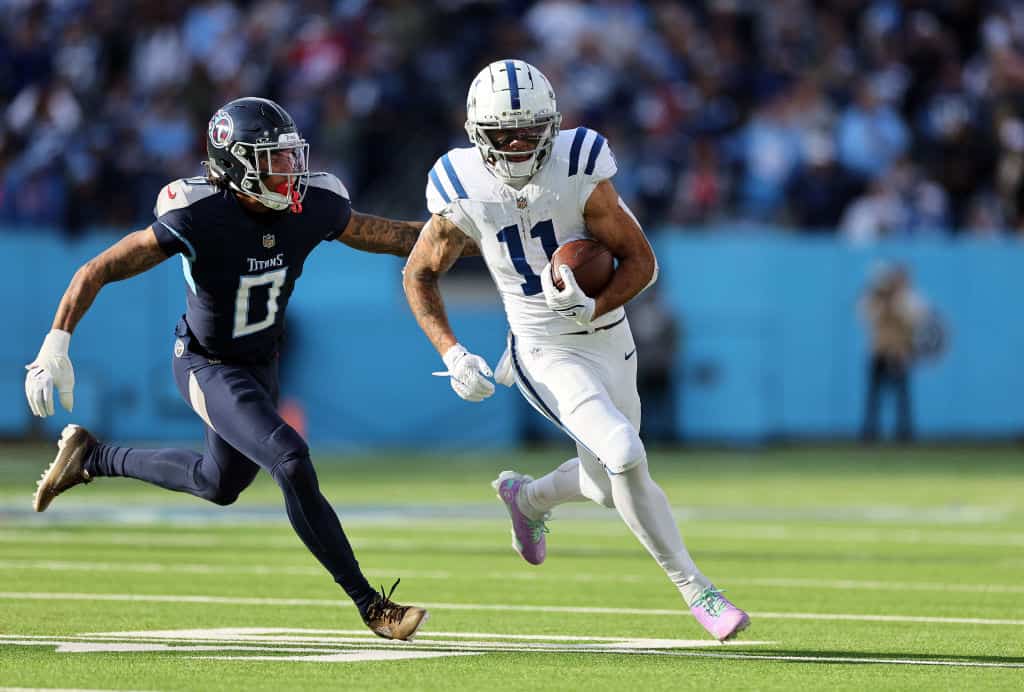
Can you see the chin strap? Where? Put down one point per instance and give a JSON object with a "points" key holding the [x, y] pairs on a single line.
{"points": [[288, 190]]}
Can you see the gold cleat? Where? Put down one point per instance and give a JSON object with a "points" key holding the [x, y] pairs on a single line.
{"points": [[67, 469], [391, 620]]}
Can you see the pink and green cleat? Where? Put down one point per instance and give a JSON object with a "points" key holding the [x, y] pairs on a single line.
{"points": [[527, 534], [718, 616]]}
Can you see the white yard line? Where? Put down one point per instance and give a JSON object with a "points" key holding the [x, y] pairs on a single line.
{"points": [[828, 534], [845, 659], [193, 568], [873, 585], [760, 532], [55, 689], [243, 643], [287, 635], [590, 610], [770, 582], [474, 515]]}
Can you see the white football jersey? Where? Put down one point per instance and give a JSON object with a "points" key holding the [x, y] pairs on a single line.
{"points": [[519, 230]]}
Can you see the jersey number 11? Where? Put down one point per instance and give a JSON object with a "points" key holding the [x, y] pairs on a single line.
{"points": [[545, 230]]}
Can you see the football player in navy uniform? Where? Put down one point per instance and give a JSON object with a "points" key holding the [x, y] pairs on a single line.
{"points": [[243, 233]]}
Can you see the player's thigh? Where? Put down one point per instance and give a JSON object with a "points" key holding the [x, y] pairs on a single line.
{"points": [[241, 411], [568, 386], [236, 471], [560, 379], [620, 371]]}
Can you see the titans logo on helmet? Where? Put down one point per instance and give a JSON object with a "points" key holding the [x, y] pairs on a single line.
{"points": [[221, 129]]}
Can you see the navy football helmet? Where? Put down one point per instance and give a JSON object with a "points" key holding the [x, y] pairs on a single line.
{"points": [[251, 139]]}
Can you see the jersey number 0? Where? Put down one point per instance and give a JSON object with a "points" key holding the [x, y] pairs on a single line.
{"points": [[274, 280]]}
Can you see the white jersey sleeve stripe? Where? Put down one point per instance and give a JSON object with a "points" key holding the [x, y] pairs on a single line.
{"points": [[453, 177], [595, 149], [436, 180], [574, 151]]}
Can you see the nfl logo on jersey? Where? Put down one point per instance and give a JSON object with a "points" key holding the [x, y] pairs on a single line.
{"points": [[269, 241]]}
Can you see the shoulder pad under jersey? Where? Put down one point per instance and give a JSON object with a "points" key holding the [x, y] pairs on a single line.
{"points": [[459, 174], [182, 193], [328, 181], [584, 152]]}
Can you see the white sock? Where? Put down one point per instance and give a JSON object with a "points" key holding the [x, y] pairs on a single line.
{"points": [[643, 506], [547, 492]]}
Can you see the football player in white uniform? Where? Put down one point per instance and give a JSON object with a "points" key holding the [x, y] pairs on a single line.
{"points": [[524, 188]]}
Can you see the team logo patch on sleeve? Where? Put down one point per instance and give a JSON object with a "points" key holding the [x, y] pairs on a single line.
{"points": [[221, 129]]}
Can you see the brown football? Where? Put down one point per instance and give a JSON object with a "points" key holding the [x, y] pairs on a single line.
{"points": [[591, 262]]}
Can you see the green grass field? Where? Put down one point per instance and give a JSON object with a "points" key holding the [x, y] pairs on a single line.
{"points": [[882, 568]]}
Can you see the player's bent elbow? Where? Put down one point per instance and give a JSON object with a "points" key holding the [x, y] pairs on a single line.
{"points": [[91, 274], [415, 278], [654, 274], [647, 269]]}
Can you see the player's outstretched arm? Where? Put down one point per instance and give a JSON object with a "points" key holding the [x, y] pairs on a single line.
{"points": [[439, 245], [133, 254], [610, 221], [376, 234]]}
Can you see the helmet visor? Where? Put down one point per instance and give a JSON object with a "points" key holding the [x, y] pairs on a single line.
{"points": [[517, 144], [288, 161]]}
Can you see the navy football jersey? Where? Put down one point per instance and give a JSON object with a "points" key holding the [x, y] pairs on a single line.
{"points": [[240, 267]]}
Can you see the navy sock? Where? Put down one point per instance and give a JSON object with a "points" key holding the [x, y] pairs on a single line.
{"points": [[174, 469]]}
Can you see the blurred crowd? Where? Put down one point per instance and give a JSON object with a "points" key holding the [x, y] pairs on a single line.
{"points": [[865, 118]]}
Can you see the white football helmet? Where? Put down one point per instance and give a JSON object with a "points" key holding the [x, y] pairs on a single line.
{"points": [[512, 100]]}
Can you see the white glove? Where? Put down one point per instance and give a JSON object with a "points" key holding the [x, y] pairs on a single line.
{"points": [[468, 374], [571, 302], [51, 367]]}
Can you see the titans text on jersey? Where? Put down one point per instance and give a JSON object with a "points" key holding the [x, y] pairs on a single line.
{"points": [[240, 268]]}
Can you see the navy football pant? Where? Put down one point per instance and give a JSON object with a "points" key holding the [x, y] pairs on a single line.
{"points": [[244, 434]]}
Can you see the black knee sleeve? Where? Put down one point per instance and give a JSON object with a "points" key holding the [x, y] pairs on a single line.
{"points": [[296, 472], [293, 466]]}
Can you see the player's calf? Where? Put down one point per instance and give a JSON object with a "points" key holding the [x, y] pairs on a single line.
{"points": [[67, 469]]}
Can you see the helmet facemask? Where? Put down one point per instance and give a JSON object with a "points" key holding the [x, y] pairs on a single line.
{"points": [[285, 164], [253, 148], [515, 166]]}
